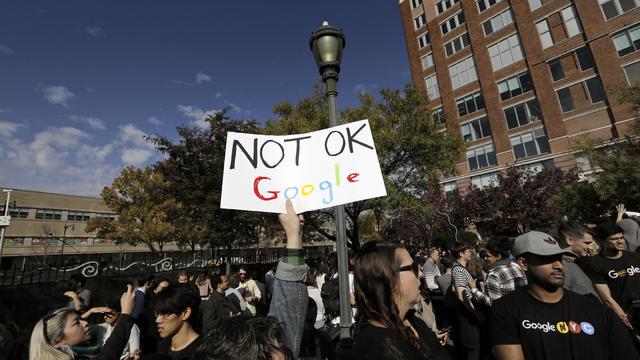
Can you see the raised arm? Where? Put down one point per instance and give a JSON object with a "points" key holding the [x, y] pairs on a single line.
{"points": [[621, 210], [290, 297]]}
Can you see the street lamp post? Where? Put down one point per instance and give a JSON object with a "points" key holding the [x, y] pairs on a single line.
{"points": [[327, 43], [64, 234], [6, 213]]}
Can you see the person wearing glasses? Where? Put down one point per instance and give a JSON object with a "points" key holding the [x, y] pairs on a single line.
{"points": [[387, 286], [60, 334], [176, 309], [615, 272]]}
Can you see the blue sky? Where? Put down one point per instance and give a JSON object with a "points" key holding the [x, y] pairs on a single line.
{"points": [[82, 81]]}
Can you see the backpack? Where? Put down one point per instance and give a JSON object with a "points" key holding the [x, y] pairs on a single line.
{"points": [[330, 294]]}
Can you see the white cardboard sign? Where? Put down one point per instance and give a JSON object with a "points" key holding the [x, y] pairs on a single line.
{"points": [[315, 170]]}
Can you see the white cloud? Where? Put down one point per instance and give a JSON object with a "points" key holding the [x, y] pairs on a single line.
{"points": [[182, 82], [57, 95], [5, 111], [154, 121], [87, 153], [135, 156], [94, 123], [95, 31], [50, 147], [219, 95], [197, 114], [202, 78], [237, 109], [4, 49], [363, 88], [130, 134], [7, 128]]}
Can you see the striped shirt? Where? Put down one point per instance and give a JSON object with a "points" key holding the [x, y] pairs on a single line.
{"points": [[460, 277]]}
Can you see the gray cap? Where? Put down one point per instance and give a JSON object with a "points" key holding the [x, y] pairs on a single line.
{"points": [[538, 243]]}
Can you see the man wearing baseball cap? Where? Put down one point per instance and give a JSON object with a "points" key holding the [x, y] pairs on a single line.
{"points": [[545, 321]]}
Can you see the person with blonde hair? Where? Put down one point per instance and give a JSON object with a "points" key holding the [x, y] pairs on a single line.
{"points": [[59, 333]]}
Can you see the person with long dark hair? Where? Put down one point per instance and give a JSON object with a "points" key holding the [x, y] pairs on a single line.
{"points": [[387, 282]]}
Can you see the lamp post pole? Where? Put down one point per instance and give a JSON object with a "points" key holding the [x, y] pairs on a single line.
{"points": [[6, 213], [327, 43], [64, 234]]}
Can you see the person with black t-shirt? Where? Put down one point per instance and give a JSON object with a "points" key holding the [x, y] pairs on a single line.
{"points": [[615, 272], [386, 284], [176, 308], [545, 321]]}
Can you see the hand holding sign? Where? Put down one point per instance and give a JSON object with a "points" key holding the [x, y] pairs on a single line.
{"points": [[316, 170]]}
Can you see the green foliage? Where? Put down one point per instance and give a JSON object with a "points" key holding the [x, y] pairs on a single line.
{"points": [[193, 169], [410, 148], [144, 208]]}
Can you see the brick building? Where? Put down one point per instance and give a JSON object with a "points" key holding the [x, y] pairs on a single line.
{"points": [[522, 80]]}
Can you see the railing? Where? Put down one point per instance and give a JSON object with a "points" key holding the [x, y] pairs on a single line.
{"points": [[25, 270]]}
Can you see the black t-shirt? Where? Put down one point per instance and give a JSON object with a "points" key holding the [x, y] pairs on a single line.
{"points": [[621, 275], [374, 342], [576, 327], [188, 353]]}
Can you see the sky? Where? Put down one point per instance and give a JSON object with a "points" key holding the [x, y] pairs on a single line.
{"points": [[83, 81]]}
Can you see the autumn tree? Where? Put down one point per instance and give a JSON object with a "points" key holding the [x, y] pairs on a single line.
{"points": [[409, 146], [140, 199], [193, 169]]}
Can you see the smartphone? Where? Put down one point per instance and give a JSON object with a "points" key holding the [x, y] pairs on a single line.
{"points": [[445, 330]]}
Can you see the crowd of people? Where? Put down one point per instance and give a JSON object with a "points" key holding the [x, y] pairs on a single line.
{"points": [[573, 293]]}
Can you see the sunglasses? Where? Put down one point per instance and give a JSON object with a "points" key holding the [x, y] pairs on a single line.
{"points": [[45, 318], [414, 267]]}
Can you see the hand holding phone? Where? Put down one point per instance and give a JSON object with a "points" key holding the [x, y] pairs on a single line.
{"points": [[445, 330]]}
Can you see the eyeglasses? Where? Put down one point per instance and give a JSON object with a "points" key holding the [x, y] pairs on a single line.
{"points": [[414, 267], [45, 318]]}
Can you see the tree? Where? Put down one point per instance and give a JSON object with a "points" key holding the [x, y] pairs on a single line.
{"points": [[140, 199], [410, 148], [518, 201], [193, 170], [616, 175]]}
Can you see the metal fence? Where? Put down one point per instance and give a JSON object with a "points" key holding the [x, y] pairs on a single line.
{"points": [[37, 269]]}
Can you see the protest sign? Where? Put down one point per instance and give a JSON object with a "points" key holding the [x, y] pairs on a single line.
{"points": [[315, 170]]}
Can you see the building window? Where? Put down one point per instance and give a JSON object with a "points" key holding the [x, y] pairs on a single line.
{"points": [[19, 213], [109, 217], [529, 144], [505, 52], [585, 58], [450, 186], [452, 23], [433, 90], [515, 85], [427, 61], [438, 115], [628, 41], [48, 214], [445, 5], [485, 180], [596, 92], [537, 167], [555, 67], [420, 21], [485, 4], [633, 72], [481, 157], [463, 72], [476, 129], [415, 3], [457, 44], [424, 40], [498, 22], [534, 4], [544, 33], [565, 99], [470, 103], [78, 216], [571, 22], [613, 8], [523, 114]]}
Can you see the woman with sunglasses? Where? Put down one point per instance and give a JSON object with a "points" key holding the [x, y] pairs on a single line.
{"points": [[59, 334], [387, 286]]}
